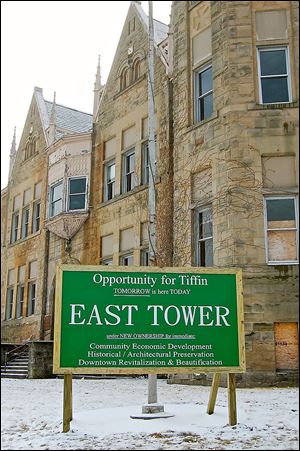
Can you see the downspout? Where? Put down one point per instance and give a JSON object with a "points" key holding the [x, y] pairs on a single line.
{"points": [[45, 286]]}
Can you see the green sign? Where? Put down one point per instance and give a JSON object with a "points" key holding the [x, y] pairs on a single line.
{"points": [[143, 320]]}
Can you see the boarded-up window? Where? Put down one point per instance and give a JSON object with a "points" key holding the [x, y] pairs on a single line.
{"points": [[271, 25], [11, 277], [129, 137], [107, 245], [144, 233], [38, 190], [17, 202], [33, 269], [286, 346], [202, 186], [21, 274], [201, 46], [127, 239], [279, 172], [110, 148], [281, 229], [145, 131], [27, 196]]}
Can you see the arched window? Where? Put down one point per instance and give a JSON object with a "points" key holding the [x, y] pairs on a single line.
{"points": [[136, 70], [124, 79]]}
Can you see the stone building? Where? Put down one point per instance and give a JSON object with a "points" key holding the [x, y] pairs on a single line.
{"points": [[43, 206], [236, 160], [226, 115]]}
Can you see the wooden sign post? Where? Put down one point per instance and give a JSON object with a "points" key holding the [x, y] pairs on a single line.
{"points": [[232, 415], [67, 407]]}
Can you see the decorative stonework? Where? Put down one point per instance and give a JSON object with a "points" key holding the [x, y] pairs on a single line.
{"points": [[66, 225]]}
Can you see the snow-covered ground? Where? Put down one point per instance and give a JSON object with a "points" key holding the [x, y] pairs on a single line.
{"points": [[32, 417]]}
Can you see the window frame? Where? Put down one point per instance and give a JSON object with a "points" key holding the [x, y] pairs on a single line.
{"points": [[296, 228], [198, 240], [77, 194], [51, 202], [125, 174], [145, 163], [20, 300], [197, 97], [9, 302], [260, 49], [107, 261], [25, 222], [30, 299], [36, 218], [145, 257], [108, 183], [124, 256], [14, 232]]}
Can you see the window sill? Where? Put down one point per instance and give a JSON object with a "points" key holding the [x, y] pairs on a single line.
{"points": [[129, 87], [291, 263], [214, 116], [24, 240], [122, 196], [272, 106]]}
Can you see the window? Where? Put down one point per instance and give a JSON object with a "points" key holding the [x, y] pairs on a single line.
{"points": [[281, 230], [128, 171], [274, 78], [204, 237], [107, 262], [10, 294], [145, 257], [30, 148], [20, 300], [20, 291], [136, 70], [56, 199], [14, 227], [36, 216], [109, 176], [9, 302], [25, 222], [31, 298], [126, 260], [77, 193], [145, 163], [203, 94], [33, 270], [124, 79]]}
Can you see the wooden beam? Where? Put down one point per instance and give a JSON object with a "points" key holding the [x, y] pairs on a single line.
{"points": [[67, 407], [213, 393], [232, 414]]}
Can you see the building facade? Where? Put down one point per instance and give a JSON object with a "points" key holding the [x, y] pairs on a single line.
{"points": [[226, 133], [43, 206], [236, 159]]}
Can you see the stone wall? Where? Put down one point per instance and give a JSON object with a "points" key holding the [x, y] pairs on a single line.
{"points": [[40, 363]]}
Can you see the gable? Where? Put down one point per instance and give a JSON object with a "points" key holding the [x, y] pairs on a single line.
{"points": [[132, 48]]}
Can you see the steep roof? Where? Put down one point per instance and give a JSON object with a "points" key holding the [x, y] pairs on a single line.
{"points": [[160, 29], [69, 119]]}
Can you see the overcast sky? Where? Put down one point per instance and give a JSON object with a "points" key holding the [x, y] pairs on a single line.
{"points": [[55, 45]]}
